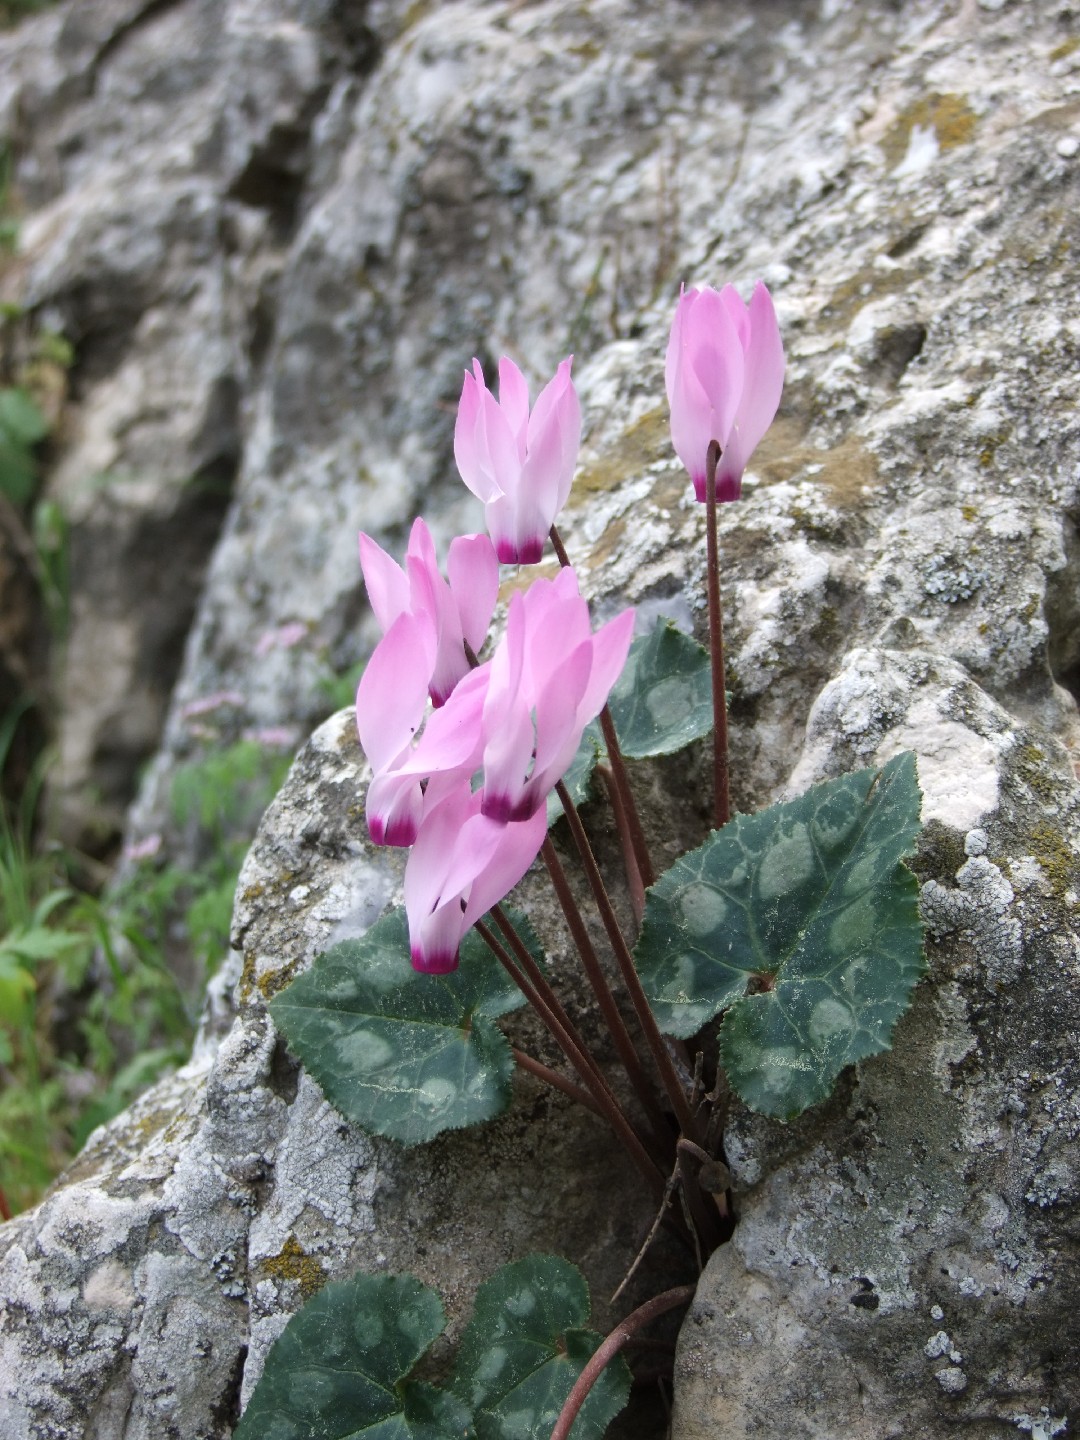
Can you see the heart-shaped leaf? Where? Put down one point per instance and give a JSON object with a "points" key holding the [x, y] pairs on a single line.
{"points": [[403, 1054], [802, 922], [524, 1348], [660, 703], [337, 1371]]}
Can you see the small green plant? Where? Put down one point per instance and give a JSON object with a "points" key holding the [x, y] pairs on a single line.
{"points": [[87, 1010], [758, 966], [216, 802]]}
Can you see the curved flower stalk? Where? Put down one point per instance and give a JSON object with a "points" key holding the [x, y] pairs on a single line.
{"points": [[520, 464], [725, 375]]}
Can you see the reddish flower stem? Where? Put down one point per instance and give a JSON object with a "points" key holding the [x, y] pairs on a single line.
{"points": [[557, 1081], [605, 999], [646, 1020], [618, 765], [630, 864], [721, 782], [581, 1062], [610, 1347]]}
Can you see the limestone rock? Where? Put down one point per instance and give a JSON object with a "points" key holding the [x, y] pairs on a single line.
{"points": [[902, 571]]}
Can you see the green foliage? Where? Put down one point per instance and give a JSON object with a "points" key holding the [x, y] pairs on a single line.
{"points": [[339, 1370], [524, 1348], [22, 427], [12, 11], [56, 1083], [802, 923], [402, 1054], [218, 801], [660, 703]]}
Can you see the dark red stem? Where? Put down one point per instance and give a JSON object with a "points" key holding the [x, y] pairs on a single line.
{"points": [[721, 784], [625, 960], [610, 1347]]}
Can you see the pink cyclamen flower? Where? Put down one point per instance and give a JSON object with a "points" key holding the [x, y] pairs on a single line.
{"points": [[725, 374], [427, 623], [520, 464], [461, 865], [550, 676], [459, 611]]}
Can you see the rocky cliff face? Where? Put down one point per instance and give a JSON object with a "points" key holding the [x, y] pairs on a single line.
{"points": [[275, 234]]}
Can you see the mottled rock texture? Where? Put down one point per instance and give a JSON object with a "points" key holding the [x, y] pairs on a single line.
{"points": [[902, 572]]}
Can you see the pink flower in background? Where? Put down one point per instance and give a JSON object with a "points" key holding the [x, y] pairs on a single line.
{"points": [[550, 676], [461, 865], [458, 612], [725, 375], [520, 464], [206, 704], [144, 849], [282, 637]]}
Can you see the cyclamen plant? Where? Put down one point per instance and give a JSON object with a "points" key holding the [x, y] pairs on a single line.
{"points": [[798, 926]]}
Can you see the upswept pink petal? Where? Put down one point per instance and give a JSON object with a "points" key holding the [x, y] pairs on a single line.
{"points": [[715, 356], [738, 313], [514, 403], [387, 584], [460, 866], [473, 570], [611, 645], [470, 442], [500, 444], [519, 844], [520, 464], [507, 760], [558, 729], [452, 739], [763, 384], [673, 357], [724, 373], [392, 694]]}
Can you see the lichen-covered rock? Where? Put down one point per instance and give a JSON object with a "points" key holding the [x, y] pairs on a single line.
{"points": [[141, 1298], [901, 572]]}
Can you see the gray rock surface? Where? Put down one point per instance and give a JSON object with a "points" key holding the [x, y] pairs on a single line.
{"points": [[903, 571]]}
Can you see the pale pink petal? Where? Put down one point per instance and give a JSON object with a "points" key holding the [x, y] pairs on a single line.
{"points": [[473, 568], [393, 808], [392, 694], [519, 845], [387, 584], [558, 730], [470, 440], [673, 358], [738, 313], [715, 356], [501, 446], [453, 736], [508, 750], [514, 402], [611, 645], [763, 384]]}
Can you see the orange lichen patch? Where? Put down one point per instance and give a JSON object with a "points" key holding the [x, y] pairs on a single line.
{"points": [[275, 980], [291, 1263], [949, 116]]}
